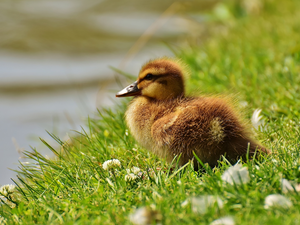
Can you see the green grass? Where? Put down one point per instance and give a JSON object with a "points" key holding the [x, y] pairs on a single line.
{"points": [[254, 57]]}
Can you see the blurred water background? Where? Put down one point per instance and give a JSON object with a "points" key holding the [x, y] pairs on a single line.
{"points": [[55, 57]]}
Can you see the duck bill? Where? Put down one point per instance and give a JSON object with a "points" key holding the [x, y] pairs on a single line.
{"points": [[131, 90]]}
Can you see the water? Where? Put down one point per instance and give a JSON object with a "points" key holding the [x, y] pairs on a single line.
{"points": [[28, 114], [55, 58]]}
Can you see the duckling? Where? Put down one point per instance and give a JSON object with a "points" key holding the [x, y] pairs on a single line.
{"points": [[165, 121]]}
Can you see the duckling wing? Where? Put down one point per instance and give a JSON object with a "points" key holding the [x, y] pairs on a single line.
{"points": [[181, 129], [185, 131]]}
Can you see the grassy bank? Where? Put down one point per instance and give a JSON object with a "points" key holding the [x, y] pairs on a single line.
{"points": [[252, 53]]}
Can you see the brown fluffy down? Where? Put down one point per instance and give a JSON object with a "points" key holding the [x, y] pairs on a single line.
{"points": [[169, 124]]}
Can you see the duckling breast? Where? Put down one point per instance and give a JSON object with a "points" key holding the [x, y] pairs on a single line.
{"points": [[141, 113]]}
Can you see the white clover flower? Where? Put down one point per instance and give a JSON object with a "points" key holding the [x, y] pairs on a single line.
{"points": [[256, 119], [202, 203], [130, 177], [286, 186], [135, 170], [236, 175], [223, 221], [277, 201], [145, 216], [6, 190], [140, 216], [111, 164]]}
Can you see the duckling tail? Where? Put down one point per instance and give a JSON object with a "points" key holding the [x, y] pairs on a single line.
{"points": [[243, 147]]}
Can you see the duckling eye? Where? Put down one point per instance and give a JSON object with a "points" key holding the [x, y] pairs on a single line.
{"points": [[149, 76]]}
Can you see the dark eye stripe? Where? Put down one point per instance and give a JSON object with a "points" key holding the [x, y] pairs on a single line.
{"points": [[149, 76]]}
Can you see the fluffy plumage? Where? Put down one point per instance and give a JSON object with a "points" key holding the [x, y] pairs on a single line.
{"points": [[166, 122]]}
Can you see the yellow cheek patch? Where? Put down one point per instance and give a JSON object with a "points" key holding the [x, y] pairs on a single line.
{"points": [[154, 90]]}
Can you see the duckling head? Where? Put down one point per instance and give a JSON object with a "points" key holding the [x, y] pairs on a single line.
{"points": [[160, 79]]}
